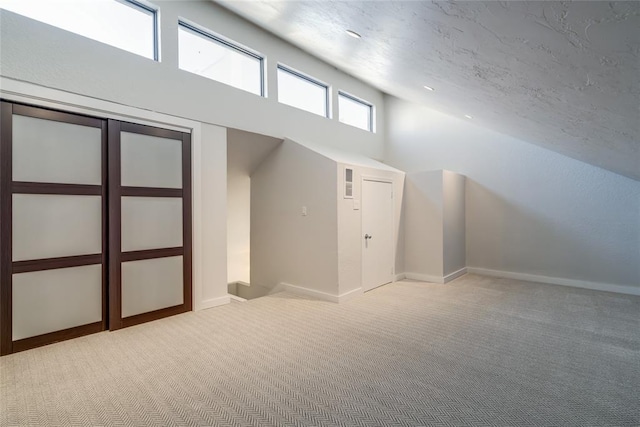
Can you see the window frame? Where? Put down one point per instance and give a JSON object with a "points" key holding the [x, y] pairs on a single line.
{"points": [[141, 6], [233, 45], [309, 79], [362, 102], [147, 7]]}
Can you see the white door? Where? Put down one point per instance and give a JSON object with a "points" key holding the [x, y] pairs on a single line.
{"points": [[377, 234]]}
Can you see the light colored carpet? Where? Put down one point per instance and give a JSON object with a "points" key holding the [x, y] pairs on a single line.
{"points": [[478, 351]]}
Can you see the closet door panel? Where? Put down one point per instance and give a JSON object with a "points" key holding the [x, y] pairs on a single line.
{"points": [[53, 300], [150, 161], [51, 225], [151, 284], [151, 223], [52, 151]]}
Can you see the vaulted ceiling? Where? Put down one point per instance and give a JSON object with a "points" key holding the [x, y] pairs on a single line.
{"points": [[562, 75]]}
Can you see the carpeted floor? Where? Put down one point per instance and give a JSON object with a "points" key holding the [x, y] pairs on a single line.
{"points": [[477, 351]]}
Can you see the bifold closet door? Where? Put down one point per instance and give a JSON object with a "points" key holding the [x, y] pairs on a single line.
{"points": [[53, 262], [149, 223]]}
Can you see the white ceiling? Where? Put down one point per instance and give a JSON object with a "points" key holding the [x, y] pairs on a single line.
{"points": [[562, 75]]}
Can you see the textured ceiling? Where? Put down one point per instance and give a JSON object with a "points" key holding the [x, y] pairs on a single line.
{"points": [[562, 75]]}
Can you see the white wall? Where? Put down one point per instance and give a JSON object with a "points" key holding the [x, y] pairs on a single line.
{"points": [[434, 215], [423, 224], [38, 53], [320, 252], [209, 231], [454, 226], [529, 210], [245, 151], [287, 247], [350, 219], [238, 228]]}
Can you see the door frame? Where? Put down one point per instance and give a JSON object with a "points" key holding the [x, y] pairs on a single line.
{"points": [[387, 180]]}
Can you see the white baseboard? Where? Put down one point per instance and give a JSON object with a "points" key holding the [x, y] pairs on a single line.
{"points": [[236, 298], [399, 277], [350, 295], [424, 277], [607, 287], [436, 279], [213, 302], [323, 296], [455, 275], [240, 282]]}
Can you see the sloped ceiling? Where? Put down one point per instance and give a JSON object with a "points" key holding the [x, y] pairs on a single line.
{"points": [[246, 150], [562, 75]]}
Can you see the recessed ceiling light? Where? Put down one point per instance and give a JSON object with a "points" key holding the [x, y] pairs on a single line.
{"points": [[353, 34], [428, 88], [468, 116]]}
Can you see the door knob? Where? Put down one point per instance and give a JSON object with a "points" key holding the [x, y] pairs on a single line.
{"points": [[366, 236]]}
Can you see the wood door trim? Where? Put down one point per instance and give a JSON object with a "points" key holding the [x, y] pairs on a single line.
{"points": [[115, 249], [151, 254], [58, 116], [150, 131], [55, 263], [6, 162], [187, 225], [154, 315], [151, 192], [57, 336], [105, 225], [21, 187]]}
